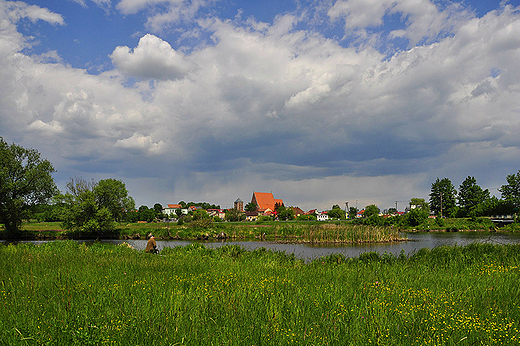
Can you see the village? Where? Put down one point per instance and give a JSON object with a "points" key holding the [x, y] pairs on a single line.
{"points": [[264, 206]]}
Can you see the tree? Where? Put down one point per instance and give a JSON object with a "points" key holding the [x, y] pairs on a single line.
{"points": [[146, 214], [511, 191], [420, 203], [112, 194], [25, 181], [352, 212], [284, 213], [336, 212], [235, 215], [157, 207], [93, 207], [391, 211], [416, 216], [370, 210], [442, 197], [250, 206], [471, 195]]}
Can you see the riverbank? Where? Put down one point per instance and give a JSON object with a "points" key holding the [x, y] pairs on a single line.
{"points": [[344, 232], [309, 232], [74, 294]]}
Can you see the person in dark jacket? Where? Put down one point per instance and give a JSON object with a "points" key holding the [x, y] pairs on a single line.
{"points": [[151, 246]]}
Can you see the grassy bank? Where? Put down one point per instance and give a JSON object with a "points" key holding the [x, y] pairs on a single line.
{"points": [[63, 293], [310, 232]]}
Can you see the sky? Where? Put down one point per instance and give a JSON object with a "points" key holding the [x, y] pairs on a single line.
{"points": [[321, 102]]}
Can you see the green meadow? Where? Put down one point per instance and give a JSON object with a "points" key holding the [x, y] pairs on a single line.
{"points": [[65, 293]]}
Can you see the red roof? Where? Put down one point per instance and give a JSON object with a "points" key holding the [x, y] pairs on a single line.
{"points": [[265, 200], [174, 206]]}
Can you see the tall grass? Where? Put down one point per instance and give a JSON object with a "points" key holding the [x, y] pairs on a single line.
{"points": [[64, 293], [312, 232]]}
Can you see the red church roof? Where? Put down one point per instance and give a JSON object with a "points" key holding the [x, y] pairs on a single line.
{"points": [[265, 200]]}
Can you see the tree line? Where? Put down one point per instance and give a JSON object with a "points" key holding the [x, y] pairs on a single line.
{"points": [[28, 189]]}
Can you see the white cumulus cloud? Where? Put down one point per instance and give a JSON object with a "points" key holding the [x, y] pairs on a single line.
{"points": [[153, 58]]}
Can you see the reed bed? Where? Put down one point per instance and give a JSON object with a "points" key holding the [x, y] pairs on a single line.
{"points": [[64, 293], [347, 233], [309, 232]]}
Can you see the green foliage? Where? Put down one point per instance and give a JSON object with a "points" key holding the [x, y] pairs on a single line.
{"points": [[308, 217], [235, 215], [25, 181], [511, 191], [442, 197], [250, 206], [112, 194], [420, 203], [371, 210], [200, 214], [471, 197], [336, 213], [439, 222], [284, 213], [416, 216], [92, 208]]}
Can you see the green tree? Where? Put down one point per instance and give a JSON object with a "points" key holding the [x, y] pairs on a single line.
{"points": [[200, 214], [511, 191], [25, 181], [370, 210], [146, 214], [250, 206], [352, 212], [235, 215], [416, 216], [112, 194], [284, 213], [157, 207], [442, 197], [420, 203], [93, 207], [471, 196], [391, 211], [336, 213]]}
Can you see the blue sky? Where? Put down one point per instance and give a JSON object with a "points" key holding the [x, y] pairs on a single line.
{"points": [[321, 102]]}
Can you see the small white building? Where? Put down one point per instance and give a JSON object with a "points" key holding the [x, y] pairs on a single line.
{"points": [[322, 216]]}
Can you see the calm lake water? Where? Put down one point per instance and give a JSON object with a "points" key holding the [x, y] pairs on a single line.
{"points": [[415, 242]]}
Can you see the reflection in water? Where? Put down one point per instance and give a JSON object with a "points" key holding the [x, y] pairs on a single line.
{"points": [[307, 252]]}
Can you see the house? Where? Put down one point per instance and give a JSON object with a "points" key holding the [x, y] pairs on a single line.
{"points": [[297, 211], [217, 212], [265, 201], [172, 208], [323, 216], [251, 215]]}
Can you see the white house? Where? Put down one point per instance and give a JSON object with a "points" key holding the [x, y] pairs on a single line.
{"points": [[322, 216]]}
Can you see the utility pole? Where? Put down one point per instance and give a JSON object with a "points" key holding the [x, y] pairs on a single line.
{"points": [[441, 204]]}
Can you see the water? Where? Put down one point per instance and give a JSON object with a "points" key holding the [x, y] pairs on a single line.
{"points": [[416, 241]]}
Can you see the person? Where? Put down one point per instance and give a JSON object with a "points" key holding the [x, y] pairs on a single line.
{"points": [[151, 246]]}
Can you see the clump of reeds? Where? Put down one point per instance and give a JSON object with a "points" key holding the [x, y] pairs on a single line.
{"points": [[347, 233]]}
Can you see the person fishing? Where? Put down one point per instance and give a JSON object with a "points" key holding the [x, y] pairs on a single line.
{"points": [[151, 246]]}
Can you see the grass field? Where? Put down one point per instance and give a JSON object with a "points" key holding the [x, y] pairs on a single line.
{"points": [[64, 293]]}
